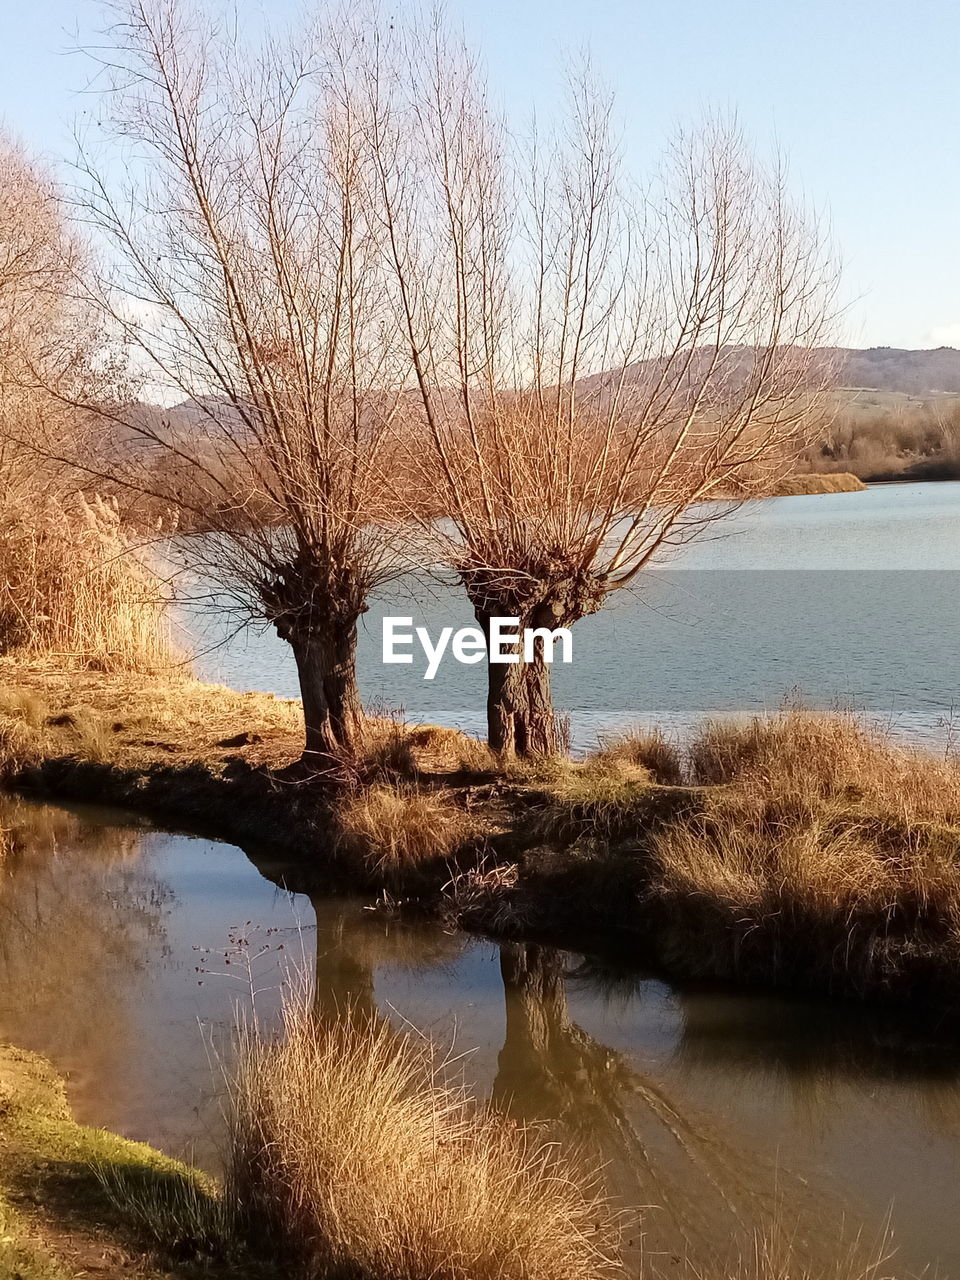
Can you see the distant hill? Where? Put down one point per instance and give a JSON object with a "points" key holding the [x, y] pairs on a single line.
{"points": [[915, 373], [891, 369]]}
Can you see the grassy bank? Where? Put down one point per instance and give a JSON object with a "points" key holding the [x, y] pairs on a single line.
{"points": [[804, 482], [58, 1215], [351, 1153], [803, 849], [225, 763]]}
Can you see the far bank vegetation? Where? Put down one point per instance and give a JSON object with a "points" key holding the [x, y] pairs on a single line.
{"points": [[880, 437]]}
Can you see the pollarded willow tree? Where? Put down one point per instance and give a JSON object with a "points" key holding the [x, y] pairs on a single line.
{"points": [[592, 365], [246, 272]]}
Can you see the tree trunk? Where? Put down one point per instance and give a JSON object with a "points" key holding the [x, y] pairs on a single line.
{"points": [[315, 604], [520, 716], [332, 714]]}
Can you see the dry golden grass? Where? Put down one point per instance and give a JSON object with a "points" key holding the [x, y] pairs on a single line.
{"points": [[800, 755], [23, 704], [833, 482], [828, 857], [393, 750], [74, 587], [398, 828], [354, 1154], [20, 746], [777, 1255], [648, 749], [601, 799], [133, 721], [444, 750]]}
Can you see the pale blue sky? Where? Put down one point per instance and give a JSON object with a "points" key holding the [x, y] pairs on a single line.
{"points": [[863, 95]]}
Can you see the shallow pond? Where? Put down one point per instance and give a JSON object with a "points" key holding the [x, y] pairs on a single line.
{"points": [[849, 597], [124, 952]]}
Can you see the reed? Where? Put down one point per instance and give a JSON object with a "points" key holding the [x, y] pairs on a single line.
{"points": [[75, 589]]}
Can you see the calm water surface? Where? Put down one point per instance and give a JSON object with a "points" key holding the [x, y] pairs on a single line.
{"points": [[850, 598], [119, 958]]}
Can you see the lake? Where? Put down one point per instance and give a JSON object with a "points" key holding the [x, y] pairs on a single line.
{"points": [[847, 598], [126, 951]]}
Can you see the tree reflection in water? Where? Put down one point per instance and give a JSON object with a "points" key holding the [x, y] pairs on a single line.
{"points": [[353, 943], [696, 1184], [78, 913]]}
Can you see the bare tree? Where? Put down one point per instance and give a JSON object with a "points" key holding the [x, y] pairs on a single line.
{"points": [[592, 365], [65, 575], [245, 269], [44, 330]]}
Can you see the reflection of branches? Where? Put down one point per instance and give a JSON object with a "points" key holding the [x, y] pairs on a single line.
{"points": [[77, 917], [551, 1068]]}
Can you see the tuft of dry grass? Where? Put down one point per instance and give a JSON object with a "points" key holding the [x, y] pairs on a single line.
{"points": [[603, 798], [387, 753], [395, 751], [450, 750], [646, 749], [24, 704], [355, 1155], [20, 747], [777, 1255], [396, 829], [824, 856]]}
